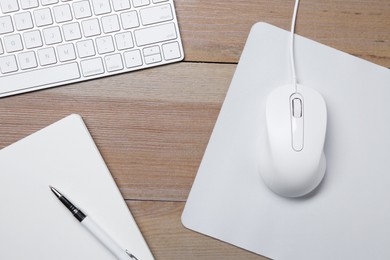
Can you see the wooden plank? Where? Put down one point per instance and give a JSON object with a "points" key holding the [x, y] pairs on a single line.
{"points": [[216, 31], [152, 127], [171, 240]]}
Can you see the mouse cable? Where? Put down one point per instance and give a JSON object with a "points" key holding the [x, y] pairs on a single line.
{"points": [[292, 56]]}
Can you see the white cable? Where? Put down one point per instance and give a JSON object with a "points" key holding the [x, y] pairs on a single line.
{"points": [[292, 56]]}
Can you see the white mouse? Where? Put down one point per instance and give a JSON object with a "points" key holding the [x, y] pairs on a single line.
{"points": [[292, 162]]}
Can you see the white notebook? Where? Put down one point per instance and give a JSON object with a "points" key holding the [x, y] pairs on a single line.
{"points": [[349, 215], [33, 222]]}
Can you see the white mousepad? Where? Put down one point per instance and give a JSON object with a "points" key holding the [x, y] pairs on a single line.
{"points": [[348, 217]]}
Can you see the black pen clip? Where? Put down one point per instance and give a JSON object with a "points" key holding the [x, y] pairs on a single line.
{"points": [[131, 255]]}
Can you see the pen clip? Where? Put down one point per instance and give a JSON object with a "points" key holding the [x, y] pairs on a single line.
{"points": [[131, 255]]}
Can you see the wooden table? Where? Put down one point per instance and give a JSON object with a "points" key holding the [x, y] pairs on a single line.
{"points": [[152, 126]]}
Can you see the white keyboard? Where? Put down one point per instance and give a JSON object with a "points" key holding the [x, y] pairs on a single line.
{"points": [[47, 43]]}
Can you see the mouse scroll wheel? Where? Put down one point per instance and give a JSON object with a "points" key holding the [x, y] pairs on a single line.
{"points": [[297, 107]]}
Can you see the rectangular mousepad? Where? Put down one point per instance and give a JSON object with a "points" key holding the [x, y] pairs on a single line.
{"points": [[347, 217]]}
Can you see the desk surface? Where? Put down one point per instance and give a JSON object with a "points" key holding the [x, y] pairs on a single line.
{"points": [[152, 126]]}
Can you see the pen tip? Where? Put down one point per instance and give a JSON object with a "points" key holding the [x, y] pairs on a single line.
{"points": [[56, 192]]}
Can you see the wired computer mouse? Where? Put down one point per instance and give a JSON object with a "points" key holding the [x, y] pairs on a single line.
{"points": [[292, 162]]}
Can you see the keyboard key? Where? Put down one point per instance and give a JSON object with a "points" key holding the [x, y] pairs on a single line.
{"points": [[1, 48], [52, 35], [155, 34], [71, 31], [62, 13], [28, 4], [66, 52], [153, 58], [171, 51], [124, 41], [129, 20], [105, 44], [138, 3], [159, 1], [92, 67], [9, 6], [40, 78], [120, 5], [6, 25], [43, 17], [110, 24], [7, 65], [85, 49], [151, 50], [82, 9], [27, 60], [101, 6], [49, 2], [114, 62], [13, 43], [33, 39], [47, 56], [133, 59], [23, 21], [156, 14], [91, 27]]}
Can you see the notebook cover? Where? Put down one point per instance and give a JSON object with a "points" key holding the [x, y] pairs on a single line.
{"points": [[33, 222]]}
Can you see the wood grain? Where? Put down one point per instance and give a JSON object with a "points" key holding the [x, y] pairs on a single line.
{"points": [[171, 240], [216, 31], [151, 127]]}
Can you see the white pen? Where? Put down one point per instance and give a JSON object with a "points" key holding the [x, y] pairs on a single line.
{"points": [[95, 230]]}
